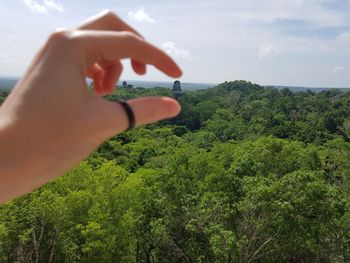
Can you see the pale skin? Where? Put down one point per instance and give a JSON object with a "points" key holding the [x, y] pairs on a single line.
{"points": [[51, 121]]}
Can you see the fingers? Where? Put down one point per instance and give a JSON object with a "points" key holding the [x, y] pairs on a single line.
{"points": [[151, 109], [109, 21], [97, 74], [138, 67], [112, 74], [105, 76], [106, 119], [146, 110], [95, 46]]}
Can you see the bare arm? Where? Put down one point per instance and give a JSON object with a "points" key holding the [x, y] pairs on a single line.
{"points": [[51, 121]]}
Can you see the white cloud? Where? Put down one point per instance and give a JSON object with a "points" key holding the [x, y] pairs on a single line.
{"points": [[326, 49], [267, 51], [312, 12], [43, 7], [141, 16], [172, 49], [50, 4], [345, 37], [35, 7], [338, 69]]}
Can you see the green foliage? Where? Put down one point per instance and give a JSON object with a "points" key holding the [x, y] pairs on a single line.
{"points": [[3, 94], [244, 174], [278, 219]]}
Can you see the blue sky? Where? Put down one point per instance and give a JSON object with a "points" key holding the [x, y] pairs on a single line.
{"points": [[280, 42]]}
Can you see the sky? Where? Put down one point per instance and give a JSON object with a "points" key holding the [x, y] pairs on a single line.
{"points": [[269, 42]]}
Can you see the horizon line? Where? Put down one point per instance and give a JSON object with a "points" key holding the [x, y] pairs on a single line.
{"points": [[216, 83]]}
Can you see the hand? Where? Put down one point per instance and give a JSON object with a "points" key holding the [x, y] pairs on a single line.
{"points": [[51, 121]]}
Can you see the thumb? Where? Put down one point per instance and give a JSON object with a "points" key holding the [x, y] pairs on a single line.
{"points": [[146, 110]]}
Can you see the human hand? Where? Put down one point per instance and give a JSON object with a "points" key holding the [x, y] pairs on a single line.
{"points": [[51, 121]]}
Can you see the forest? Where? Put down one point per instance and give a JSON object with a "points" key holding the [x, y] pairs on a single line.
{"points": [[244, 174]]}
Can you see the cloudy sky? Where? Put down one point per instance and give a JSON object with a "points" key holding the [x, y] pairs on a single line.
{"points": [[280, 42]]}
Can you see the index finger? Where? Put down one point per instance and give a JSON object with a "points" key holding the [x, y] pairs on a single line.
{"points": [[108, 20], [109, 45]]}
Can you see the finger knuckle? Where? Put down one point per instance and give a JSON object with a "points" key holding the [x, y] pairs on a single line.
{"points": [[65, 39], [132, 39], [110, 15], [128, 35], [60, 38]]}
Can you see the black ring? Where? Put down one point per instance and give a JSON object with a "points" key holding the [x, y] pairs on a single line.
{"points": [[129, 112]]}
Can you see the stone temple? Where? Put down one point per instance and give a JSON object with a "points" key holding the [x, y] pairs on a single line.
{"points": [[125, 85], [177, 91]]}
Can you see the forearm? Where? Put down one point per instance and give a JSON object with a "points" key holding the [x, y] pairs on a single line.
{"points": [[20, 167]]}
